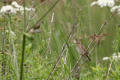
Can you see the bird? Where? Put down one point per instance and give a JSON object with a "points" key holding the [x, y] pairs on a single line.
{"points": [[35, 28], [98, 38], [81, 49]]}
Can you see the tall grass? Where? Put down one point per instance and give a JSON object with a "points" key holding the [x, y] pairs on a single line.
{"points": [[51, 54]]}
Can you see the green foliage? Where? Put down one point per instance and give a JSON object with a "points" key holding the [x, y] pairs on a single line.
{"points": [[43, 49]]}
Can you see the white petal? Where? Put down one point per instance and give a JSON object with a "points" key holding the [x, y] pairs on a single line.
{"points": [[105, 58]]}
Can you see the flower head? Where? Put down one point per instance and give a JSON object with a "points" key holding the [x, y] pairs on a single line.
{"points": [[104, 3], [13, 8], [15, 4], [116, 9], [114, 57], [7, 10], [105, 58]]}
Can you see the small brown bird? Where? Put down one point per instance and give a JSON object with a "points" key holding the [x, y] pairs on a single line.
{"points": [[35, 28], [81, 49], [98, 37]]}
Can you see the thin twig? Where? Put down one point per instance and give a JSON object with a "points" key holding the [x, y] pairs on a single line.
{"points": [[64, 46], [3, 50], [100, 29], [50, 32], [13, 47], [37, 24], [79, 61], [109, 68]]}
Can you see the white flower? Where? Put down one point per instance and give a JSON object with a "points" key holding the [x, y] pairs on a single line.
{"points": [[119, 54], [29, 9], [115, 57], [116, 9], [7, 9], [103, 3], [16, 5], [20, 9], [105, 58], [114, 54], [110, 3], [93, 3]]}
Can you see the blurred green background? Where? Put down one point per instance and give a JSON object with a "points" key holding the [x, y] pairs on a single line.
{"points": [[43, 49]]}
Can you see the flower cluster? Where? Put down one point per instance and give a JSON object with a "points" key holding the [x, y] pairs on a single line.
{"points": [[7, 9], [116, 9], [114, 57], [14, 8], [107, 3], [103, 3]]}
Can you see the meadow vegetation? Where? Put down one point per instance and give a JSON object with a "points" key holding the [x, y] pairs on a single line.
{"points": [[38, 43]]}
